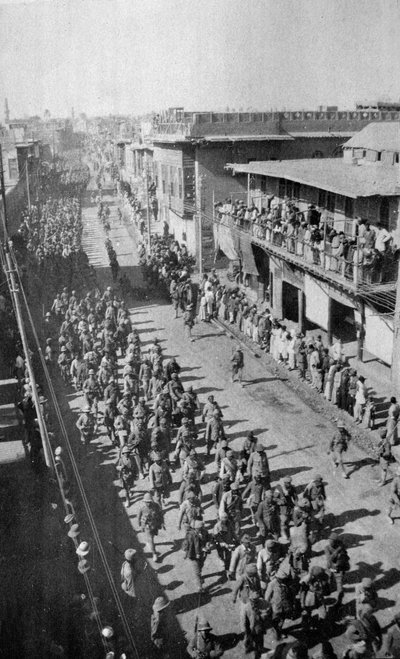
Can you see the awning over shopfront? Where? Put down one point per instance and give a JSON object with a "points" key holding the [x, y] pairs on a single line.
{"points": [[236, 246], [378, 336], [224, 240], [317, 302]]}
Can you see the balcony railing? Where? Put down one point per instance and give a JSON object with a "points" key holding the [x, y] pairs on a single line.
{"points": [[351, 269]]}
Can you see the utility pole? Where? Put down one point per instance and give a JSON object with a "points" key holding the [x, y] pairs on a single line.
{"points": [[14, 290], [200, 228], [395, 370], [27, 183], [3, 196], [148, 206]]}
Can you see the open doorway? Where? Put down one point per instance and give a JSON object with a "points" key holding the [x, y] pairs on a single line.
{"points": [[290, 302], [343, 322]]}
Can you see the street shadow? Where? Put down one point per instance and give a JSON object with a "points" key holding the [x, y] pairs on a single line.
{"points": [[350, 516], [248, 383], [356, 465], [289, 471], [209, 390]]}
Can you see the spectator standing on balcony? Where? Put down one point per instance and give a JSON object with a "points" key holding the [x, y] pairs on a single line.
{"points": [[360, 399], [382, 239]]}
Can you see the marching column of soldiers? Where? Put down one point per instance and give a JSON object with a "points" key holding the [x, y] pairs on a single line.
{"points": [[263, 531]]}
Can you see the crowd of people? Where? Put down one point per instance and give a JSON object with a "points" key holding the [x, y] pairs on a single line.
{"points": [[325, 369], [263, 530], [369, 256]]}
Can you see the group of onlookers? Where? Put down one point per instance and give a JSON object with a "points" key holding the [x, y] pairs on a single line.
{"points": [[368, 255]]}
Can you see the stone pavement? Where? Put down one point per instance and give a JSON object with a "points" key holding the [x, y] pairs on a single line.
{"points": [[296, 439]]}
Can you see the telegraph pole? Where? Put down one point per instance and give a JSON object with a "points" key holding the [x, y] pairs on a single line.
{"points": [[200, 229], [148, 206], [27, 184], [3, 196], [395, 370]]}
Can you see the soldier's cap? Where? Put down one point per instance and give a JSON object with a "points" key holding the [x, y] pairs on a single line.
{"points": [[185, 420], [48, 314], [251, 435], [259, 447], [203, 625], [190, 495], [189, 306], [74, 531], [223, 517], [229, 453], [63, 349], [91, 371], [366, 582], [251, 568], [382, 433], [287, 479], [224, 443], [125, 449], [69, 518], [160, 603], [157, 456], [83, 549], [318, 477], [174, 376], [198, 524], [107, 632], [340, 424], [86, 408], [147, 497], [234, 486], [254, 597], [83, 566], [245, 538], [271, 544], [333, 537], [129, 554]]}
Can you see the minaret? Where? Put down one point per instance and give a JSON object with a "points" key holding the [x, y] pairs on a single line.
{"points": [[6, 112]]}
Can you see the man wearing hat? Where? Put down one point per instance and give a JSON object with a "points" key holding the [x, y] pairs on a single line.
{"points": [[190, 510], [385, 455], [204, 645], [366, 595], [258, 465], [391, 645], [338, 446], [225, 540], [267, 517], [150, 520], [237, 361], [337, 560], [394, 497], [160, 478], [188, 321], [196, 546], [252, 624], [129, 572], [315, 493], [159, 626], [214, 432], [86, 425], [220, 453], [244, 554], [91, 390], [286, 497], [268, 561], [127, 472], [247, 583], [229, 466], [74, 531], [232, 505]]}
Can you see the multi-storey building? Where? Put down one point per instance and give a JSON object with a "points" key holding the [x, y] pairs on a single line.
{"points": [[192, 149], [342, 280]]}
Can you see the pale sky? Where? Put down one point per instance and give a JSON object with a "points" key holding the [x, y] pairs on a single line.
{"points": [[133, 56]]}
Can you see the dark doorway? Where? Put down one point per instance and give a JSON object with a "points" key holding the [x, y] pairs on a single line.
{"points": [[343, 322], [290, 302]]}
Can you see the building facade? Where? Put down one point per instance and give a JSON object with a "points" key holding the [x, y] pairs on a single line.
{"points": [[324, 247]]}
